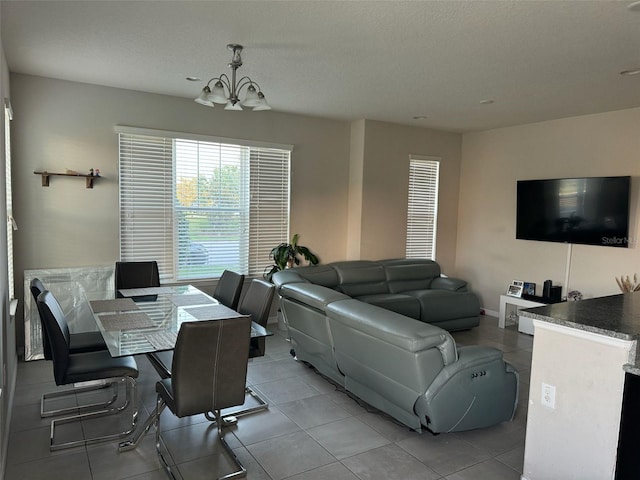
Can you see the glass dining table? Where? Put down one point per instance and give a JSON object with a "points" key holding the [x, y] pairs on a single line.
{"points": [[147, 320]]}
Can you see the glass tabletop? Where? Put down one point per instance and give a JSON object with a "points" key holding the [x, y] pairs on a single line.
{"points": [[148, 320]]}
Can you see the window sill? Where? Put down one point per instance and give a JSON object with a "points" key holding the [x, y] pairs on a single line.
{"points": [[13, 307]]}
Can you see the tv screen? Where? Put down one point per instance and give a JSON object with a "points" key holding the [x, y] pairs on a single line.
{"points": [[588, 211]]}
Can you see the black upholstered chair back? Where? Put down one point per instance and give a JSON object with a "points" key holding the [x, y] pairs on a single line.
{"points": [[57, 330], [228, 290], [257, 303], [136, 275], [209, 369], [37, 287]]}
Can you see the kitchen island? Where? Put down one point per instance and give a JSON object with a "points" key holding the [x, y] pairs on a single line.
{"points": [[581, 352]]}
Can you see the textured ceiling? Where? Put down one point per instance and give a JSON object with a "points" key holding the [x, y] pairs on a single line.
{"points": [[388, 61]]}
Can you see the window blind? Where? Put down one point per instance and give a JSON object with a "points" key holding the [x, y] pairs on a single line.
{"points": [[199, 207], [269, 205], [422, 209]]}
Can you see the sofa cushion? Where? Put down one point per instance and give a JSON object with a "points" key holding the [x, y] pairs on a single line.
{"points": [[393, 328], [396, 302], [315, 296], [447, 283], [442, 305], [324, 275], [361, 277], [410, 274]]}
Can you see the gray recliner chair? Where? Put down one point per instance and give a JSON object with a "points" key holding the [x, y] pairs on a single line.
{"points": [[416, 373]]}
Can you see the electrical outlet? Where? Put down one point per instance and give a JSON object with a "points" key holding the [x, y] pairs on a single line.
{"points": [[548, 395]]}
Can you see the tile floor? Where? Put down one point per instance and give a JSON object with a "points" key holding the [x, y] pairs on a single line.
{"points": [[311, 431]]}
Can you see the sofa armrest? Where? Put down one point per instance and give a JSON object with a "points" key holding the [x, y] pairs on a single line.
{"points": [[478, 390], [449, 283], [284, 277], [315, 296]]}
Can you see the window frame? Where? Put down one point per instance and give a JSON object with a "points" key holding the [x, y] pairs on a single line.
{"points": [[257, 152], [423, 191], [11, 223]]}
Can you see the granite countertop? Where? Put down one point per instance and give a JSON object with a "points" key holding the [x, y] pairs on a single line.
{"points": [[616, 316]]}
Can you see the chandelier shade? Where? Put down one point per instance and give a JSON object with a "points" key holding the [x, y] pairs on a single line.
{"points": [[203, 98], [226, 91]]}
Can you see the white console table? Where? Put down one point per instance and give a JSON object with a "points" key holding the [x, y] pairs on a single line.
{"points": [[525, 325]]}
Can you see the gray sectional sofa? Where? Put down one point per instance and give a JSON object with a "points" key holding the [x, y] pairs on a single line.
{"points": [[361, 330], [411, 287]]}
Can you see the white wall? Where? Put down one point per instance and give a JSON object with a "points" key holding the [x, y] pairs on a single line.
{"points": [[385, 189], [488, 253]]}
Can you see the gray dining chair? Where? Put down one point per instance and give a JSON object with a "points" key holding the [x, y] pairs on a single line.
{"points": [[257, 303], [209, 373], [70, 368], [78, 343], [227, 292], [229, 288]]}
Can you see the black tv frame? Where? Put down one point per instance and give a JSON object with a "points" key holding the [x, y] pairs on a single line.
{"points": [[606, 199]]}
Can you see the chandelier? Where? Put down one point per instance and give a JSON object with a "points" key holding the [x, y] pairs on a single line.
{"points": [[227, 91]]}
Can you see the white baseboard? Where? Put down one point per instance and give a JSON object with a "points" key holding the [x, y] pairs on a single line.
{"points": [[491, 313]]}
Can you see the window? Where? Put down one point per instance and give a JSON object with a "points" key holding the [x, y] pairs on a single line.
{"points": [[11, 224], [423, 207], [200, 205]]}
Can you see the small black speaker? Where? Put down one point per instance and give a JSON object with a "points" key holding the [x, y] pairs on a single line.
{"points": [[546, 289]]}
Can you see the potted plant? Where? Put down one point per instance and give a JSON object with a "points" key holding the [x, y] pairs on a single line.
{"points": [[287, 255]]}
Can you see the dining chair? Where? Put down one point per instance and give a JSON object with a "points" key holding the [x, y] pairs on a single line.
{"points": [[78, 343], [227, 292], [257, 303], [209, 372], [70, 368], [229, 288], [136, 275]]}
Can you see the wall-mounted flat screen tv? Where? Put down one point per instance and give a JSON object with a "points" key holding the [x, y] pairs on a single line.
{"points": [[588, 211]]}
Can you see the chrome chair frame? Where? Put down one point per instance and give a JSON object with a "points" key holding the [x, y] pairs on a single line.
{"points": [[130, 398]]}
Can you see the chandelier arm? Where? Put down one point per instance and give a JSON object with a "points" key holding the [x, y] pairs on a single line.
{"points": [[243, 82], [222, 80], [225, 81]]}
